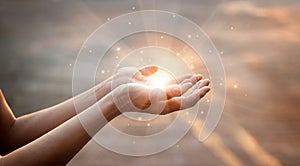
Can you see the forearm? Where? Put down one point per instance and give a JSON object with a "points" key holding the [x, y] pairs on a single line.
{"points": [[29, 127], [60, 145], [51, 147]]}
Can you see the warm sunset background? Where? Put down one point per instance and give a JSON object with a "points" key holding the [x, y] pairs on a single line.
{"points": [[259, 43]]}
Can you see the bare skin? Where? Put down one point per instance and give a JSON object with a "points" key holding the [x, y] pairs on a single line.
{"points": [[22, 130], [36, 139]]}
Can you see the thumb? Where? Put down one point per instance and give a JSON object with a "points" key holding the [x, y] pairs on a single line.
{"points": [[148, 70]]}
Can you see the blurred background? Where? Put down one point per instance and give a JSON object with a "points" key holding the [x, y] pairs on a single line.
{"points": [[259, 43]]}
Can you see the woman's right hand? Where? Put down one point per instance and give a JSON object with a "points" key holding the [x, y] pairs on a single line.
{"points": [[135, 97]]}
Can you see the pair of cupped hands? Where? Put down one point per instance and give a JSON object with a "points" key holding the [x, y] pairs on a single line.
{"points": [[132, 94]]}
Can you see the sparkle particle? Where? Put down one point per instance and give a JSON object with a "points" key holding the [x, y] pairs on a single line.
{"points": [[118, 49], [133, 8], [129, 23], [235, 86], [148, 124], [139, 118], [189, 36], [102, 71]]}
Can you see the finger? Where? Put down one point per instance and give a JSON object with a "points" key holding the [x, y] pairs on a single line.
{"points": [[203, 83], [188, 78], [203, 91], [173, 91], [148, 70], [185, 87], [183, 102], [176, 90], [192, 99], [184, 78], [186, 81], [200, 84], [194, 79], [172, 105], [193, 88], [138, 76]]}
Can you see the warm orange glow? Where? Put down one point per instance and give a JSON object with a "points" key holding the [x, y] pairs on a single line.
{"points": [[157, 82], [159, 79]]}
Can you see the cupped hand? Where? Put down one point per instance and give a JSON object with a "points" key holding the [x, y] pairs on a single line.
{"points": [[135, 97]]}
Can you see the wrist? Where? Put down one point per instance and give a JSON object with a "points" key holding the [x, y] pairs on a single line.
{"points": [[103, 89], [109, 108]]}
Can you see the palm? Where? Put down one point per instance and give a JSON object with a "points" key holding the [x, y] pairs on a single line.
{"points": [[163, 101], [136, 96]]}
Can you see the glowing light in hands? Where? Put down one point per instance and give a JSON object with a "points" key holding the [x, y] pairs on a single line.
{"points": [[159, 80]]}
